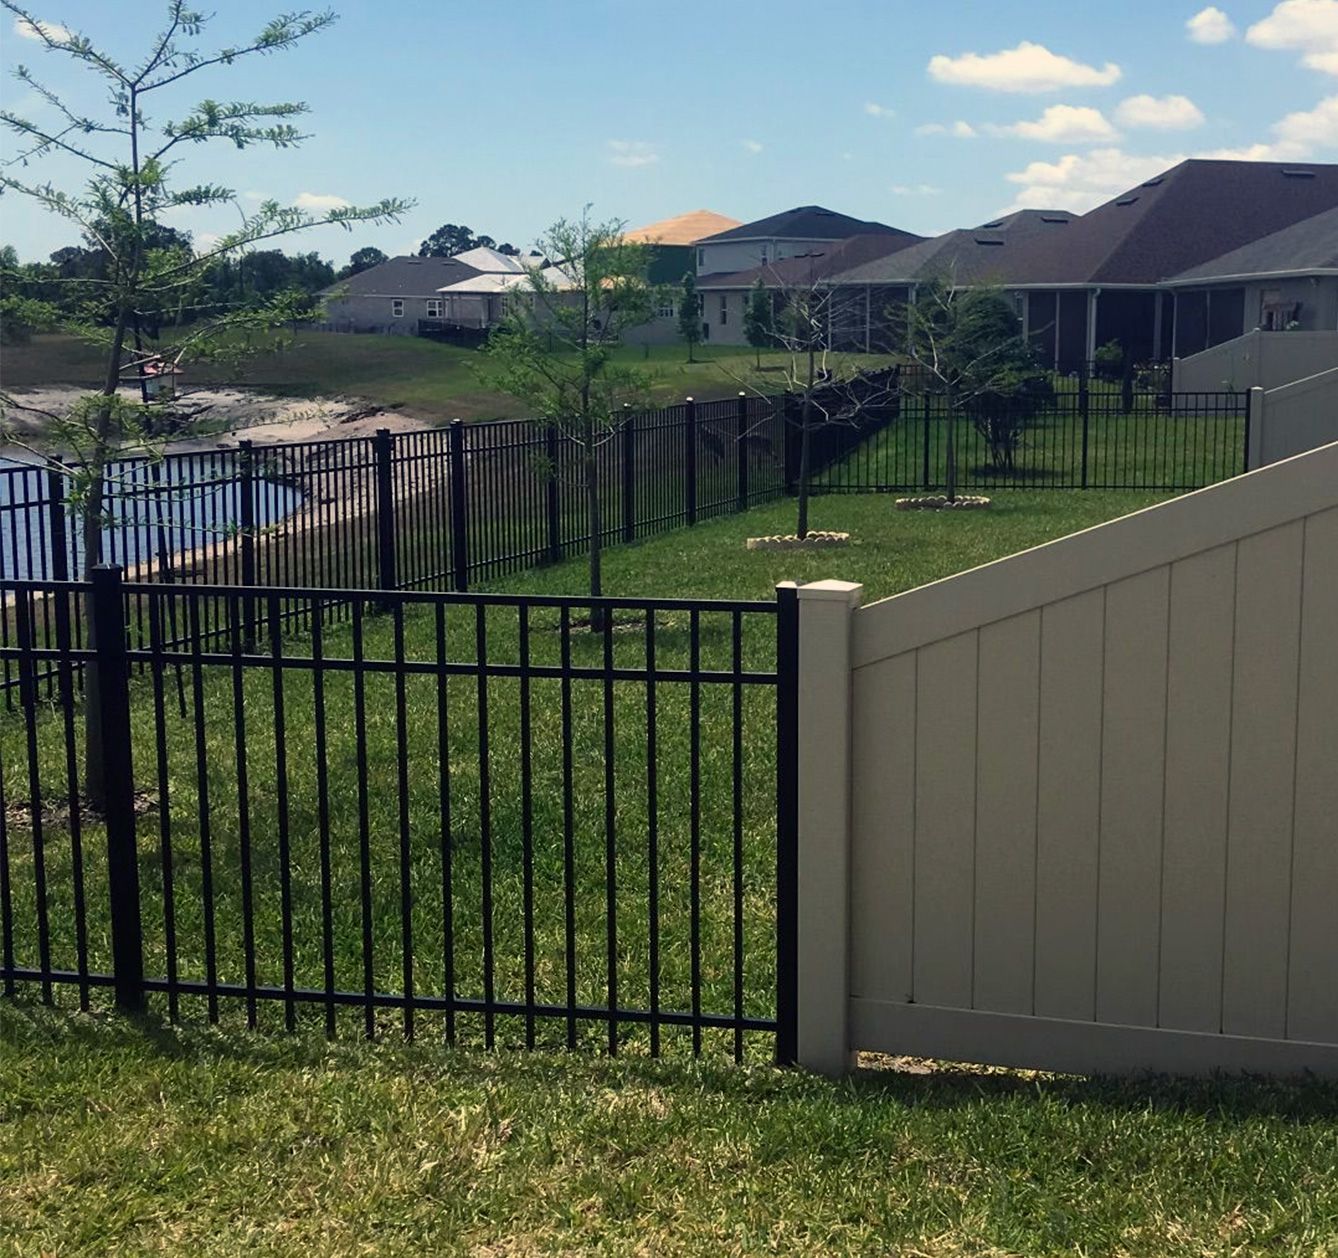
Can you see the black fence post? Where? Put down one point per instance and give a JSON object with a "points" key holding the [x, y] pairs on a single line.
{"points": [[553, 490], [628, 444], [246, 524], [924, 470], [787, 824], [741, 453], [690, 462], [459, 516], [1085, 409], [110, 677], [60, 542], [1245, 453], [383, 446]]}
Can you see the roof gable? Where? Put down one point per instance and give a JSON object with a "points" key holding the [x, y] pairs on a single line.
{"points": [[682, 229], [403, 277], [1310, 245], [804, 222]]}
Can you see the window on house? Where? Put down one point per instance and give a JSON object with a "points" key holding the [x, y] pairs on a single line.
{"points": [[397, 307], [434, 307], [764, 255], [724, 308], [701, 258], [665, 310]]}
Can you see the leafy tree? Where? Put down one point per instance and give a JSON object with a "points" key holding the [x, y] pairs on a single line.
{"points": [[758, 320], [555, 350], [690, 314], [452, 238], [129, 163], [970, 342], [362, 260]]}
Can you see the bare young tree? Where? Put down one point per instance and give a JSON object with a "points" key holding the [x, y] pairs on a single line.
{"points": [[810, 319], [129, 163], [970, 345], [555, 350]]}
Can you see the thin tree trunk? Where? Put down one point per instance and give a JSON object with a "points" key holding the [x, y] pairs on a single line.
{"points": [[804, 462]]}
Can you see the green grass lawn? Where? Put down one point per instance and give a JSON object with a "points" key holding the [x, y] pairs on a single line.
{"points": [[115, 1138], [439, 382]]}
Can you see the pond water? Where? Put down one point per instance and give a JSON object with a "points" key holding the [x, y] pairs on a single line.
{"points": [[155, 508]]}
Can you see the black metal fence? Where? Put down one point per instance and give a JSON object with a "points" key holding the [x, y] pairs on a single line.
{"points": [[476, 812], [1085, 438]]}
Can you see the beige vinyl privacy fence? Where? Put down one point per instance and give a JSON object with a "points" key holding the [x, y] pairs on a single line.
{"points": [[1078, 809]]}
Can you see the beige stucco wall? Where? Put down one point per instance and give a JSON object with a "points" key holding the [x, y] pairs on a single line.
{"points": [[1257, 360], [1094, 812]]}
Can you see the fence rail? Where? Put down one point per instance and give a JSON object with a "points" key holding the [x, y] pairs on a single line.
{"points": [[474, 809]]}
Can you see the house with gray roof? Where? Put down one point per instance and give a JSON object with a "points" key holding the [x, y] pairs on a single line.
{"points": [[1283, 281], [393, 296]]}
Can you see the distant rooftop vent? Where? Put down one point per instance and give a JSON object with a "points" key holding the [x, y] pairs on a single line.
{"points": [[1154, 183], [1053, 218], [1126, 200], [998, 222], [988, 240], [1298, 174]]}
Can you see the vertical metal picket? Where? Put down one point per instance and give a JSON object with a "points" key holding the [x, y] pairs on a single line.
{"points": [[383, 446], [741, 453], [627, 446], [246, 524], [553, 492], [459, 514], [690, 462]]}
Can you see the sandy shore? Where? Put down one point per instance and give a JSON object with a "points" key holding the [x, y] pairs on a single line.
{"points": [[241, 413]]}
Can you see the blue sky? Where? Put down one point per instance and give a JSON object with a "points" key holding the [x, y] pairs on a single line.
{"points": [[507, 114]]}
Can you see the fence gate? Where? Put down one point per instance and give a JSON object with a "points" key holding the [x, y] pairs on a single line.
{"points": [[496, 819]]}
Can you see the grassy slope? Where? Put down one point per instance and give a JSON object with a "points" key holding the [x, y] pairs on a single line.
{"points": [[435, 381], [112, 1140]]}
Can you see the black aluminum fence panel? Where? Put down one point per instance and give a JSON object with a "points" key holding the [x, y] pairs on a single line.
{"points": [[1078, 440], [473, 816]]}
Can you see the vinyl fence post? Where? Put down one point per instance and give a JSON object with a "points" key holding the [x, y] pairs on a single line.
{"points": [[552, 490], [383, 445], [690, 462], [60, 543], [459, 516], [822, 808], [1085, 409], [741, 453], [110, 677], [628, 447], [246, 524], [924, 470]]}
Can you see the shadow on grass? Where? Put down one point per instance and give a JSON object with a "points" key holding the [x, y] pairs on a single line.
{"points": [[28, 1027]]}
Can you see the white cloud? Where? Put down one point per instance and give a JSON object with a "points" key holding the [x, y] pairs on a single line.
{"points": [[1306, 130], [1306, 26], [958, 130], [632, 153], [752, 146], [1027, 68], [1063, 124], [1078, 182], [318, 201], [53, 31], [205, 241], [1210, 26], [875, 110], [1165, 113], [915, 190]]}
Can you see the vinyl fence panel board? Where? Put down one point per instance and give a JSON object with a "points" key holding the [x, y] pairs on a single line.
{"points": [[1263, 736], [1005, 864], [945, 814], [1068, 822], [1312, 981], [1132, 780], [1198, 759]]}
